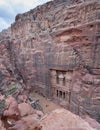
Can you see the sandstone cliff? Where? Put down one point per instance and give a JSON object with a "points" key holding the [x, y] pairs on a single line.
{"points": [[55, 50]]}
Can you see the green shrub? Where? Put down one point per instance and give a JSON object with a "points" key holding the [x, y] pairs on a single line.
{"points": [[2, 106], [11, 90], [89, 69]]}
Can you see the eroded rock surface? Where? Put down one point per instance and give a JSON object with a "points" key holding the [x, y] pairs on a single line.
{"points": [[2, 125], [30, 122], [17, 116], [55, 50], [61, 119]]}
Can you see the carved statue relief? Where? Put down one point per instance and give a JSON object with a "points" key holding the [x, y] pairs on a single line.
{"points": [[68, 76], [61, 79], [61, 76]]}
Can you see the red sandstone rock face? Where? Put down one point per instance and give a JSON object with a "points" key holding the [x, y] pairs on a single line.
{"points": [[4, 74], [2, 125], [61, 36], [27, 123], [61, 119], [18, 116], [29, 118]]}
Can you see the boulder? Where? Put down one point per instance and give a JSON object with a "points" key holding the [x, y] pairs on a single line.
{"points": [[30, 122], [11, 110], [22, 98], [25, 109]]}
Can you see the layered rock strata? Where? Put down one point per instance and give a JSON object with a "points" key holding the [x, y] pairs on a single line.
{"points": [[55, 50]]}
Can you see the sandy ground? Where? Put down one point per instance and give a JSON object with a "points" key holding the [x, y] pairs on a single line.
{"points": [[46, 104]]}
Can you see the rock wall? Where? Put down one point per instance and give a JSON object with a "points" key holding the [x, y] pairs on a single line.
{"points": [[6, 68], [61, 36]]}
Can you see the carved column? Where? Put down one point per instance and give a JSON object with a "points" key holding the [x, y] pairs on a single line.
{"points": [[68, 80], [53, 77]]}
